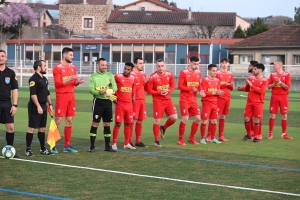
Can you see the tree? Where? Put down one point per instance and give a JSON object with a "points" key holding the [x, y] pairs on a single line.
{"points": [[239, 33], [297, 15], [258, 26], [165, 1], [172, 3], [14, 16]]}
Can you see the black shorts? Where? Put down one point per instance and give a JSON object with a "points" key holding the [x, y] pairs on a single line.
{"points": [[36, 120], [102, 108], [5, 115]]}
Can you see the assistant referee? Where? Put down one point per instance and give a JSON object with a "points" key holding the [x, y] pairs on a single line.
{"points": [[8, 86], [37, 108]]}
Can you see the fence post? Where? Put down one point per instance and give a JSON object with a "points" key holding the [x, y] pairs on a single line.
{"points": [[21, 75]]}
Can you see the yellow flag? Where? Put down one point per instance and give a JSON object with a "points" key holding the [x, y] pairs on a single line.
{"points": [[53, 134]]}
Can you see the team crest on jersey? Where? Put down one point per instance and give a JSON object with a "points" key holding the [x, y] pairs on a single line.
{"points": [[260, 83], [72, 70], [229, 76], [168, 78], [7, 80], [197, 76], [188, 75], [63, 70]]}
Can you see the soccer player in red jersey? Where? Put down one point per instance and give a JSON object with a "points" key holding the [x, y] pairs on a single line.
{"points": [[123, 109], [139, 106], [279, 82], [256, 85], [250, 70], [160, 85], [189, 84], [65, 79], [226, 84], [211, 87]]}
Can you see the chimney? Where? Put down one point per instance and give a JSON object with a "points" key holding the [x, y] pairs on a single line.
{"points": [[189, 14]]}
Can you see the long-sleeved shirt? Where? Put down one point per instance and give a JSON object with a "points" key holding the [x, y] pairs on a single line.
{"points": [[225, 77], [187, 81], [210, 85], [140, 93], [126, 87], [285, 78], [100, 82], [257, 90], [63, 72], [158, 82]]}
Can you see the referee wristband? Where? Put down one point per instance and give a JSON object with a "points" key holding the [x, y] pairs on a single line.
{"points": [[15, 105]]}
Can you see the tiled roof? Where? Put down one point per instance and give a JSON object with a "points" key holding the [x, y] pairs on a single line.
{"points": [[167, 17], [94, 2], [156, 2], [43, 6], [283, 36]]}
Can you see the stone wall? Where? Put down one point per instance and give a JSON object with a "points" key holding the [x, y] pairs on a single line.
{"points": [[153, 31], [71, 17]]}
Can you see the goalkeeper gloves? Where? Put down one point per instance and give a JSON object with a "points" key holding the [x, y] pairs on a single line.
{"points": [[112, 97]]}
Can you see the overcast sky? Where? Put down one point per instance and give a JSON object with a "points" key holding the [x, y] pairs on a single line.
{"points": [[244, 8]]}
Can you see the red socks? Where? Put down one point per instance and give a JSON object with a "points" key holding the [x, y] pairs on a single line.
{"points": [[194, 130], [221, 127], [213, 128], [156, 130], [202, 130], [284, 124], [168, 123], [138, 132], [271, 125], [115, 134], [127, 133], [68, 134], [248, 127], [181, 130]]}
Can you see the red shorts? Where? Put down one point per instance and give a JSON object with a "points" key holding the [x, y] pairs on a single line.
{"points": [[159, 107], [254, 109], [190, 108], [224, 106], [139, 109], [123, 110], [209, 110], [281, 101], [65, 105]]}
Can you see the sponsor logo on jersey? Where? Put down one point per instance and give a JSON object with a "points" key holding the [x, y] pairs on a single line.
{"points": [[212, 89], [66, 77], [195, 84], [126, 89], [223, 83], [163, 87], [102, 88]]}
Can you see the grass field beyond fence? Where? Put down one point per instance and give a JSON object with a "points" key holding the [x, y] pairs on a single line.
{"points": [[232, 170]]}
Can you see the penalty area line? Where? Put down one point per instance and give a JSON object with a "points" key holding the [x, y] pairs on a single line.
{"points": [[159, 177]]}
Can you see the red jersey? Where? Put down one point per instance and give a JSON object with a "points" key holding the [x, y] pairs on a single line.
{"points": [[187, 80], [225, 77], [158, 82], [126, 87], [257, 90], [209, 86], [62, 72], [140, 92], [285, 78]]}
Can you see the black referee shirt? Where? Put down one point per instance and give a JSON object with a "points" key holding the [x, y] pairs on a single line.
{"points": [[39, 86], [8, 82]]}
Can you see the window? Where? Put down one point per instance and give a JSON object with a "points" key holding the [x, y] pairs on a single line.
{"points": [[245, 59], [297, 60], [56, 56], [87, 23]]}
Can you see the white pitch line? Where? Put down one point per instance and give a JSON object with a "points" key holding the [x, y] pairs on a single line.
{"points": [[158, 177]]}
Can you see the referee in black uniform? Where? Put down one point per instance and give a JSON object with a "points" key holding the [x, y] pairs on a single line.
{"points": [[8, 83], [37, 108]]}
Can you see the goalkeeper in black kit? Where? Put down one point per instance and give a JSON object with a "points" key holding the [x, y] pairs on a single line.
{"points": [[102, 86]]}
